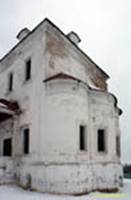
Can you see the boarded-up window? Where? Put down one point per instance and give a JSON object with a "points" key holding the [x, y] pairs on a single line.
{"points": [[101, 140], [28, 70], [26, 140], [82, 135], [7, 147]]}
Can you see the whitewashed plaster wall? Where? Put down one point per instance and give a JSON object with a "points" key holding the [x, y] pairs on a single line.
{"points": [[53, 112], [104, 115]]}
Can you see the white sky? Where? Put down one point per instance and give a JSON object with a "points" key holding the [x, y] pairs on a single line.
{"points": [[105, 30]]}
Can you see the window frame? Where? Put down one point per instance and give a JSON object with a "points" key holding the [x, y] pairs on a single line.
{"points": [[25, 150], [104, 151], [11, 147], [28, 69], [118, 145], [10, 81], [83, 139]]}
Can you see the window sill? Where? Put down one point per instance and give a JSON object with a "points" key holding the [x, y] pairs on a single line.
{"points": [[82, 152], [26, 82], [9, 93], [102, 153]]}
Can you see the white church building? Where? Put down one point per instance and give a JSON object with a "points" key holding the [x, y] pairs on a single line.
{"points": [[59, 125]]}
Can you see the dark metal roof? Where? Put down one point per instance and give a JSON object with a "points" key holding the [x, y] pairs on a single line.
{"points": [[10, 105]]}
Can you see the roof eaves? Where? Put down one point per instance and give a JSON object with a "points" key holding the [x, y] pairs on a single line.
{"points": [[30, 33], [60, 75], [50, 22]]}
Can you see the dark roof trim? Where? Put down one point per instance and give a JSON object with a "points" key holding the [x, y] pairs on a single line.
{"points": [[61, 75], [10, 105], [46, 19]]}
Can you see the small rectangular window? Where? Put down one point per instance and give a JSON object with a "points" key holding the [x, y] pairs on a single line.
{"points": [[7, 147], [118, 145], [28, 70], [82, 133], [10, 82], [101, 140], [26, 140]]}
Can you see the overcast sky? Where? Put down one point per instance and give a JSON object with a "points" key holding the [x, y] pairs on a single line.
{"points": [[105, 29]]}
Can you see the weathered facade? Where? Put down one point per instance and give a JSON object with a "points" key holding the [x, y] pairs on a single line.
{"points": [[59, 125]]}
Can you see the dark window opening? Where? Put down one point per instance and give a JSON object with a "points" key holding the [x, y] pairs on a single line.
{"points": [[26, 141], [82, 138], [28, 70], [118, 145], [101, 140], [10, 83], [7, 147]]}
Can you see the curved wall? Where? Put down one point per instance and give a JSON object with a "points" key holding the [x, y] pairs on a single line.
{"points": [[63, 167]]}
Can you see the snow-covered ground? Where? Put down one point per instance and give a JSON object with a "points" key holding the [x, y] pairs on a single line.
{"points": [[15, 193]]}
